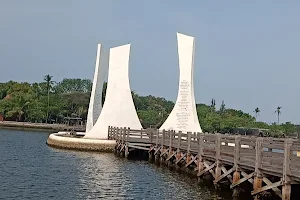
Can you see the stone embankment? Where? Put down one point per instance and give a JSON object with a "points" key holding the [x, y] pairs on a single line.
{"points": [[64, 140]]}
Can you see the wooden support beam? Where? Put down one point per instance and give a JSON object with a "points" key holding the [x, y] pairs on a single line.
{"points": [[191, 161], [250, 180], [123, 145], [275, 189], [157, 150], [228, 176], [206, 169], [173, 154], [246, 178], [188, 157], [163, 151], [261, 189], [139, 144], [151, 149], [224, 175], [181, 157], [138, 147], [211, 171]]}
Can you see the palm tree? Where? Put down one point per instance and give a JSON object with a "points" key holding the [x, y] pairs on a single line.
{"points": [[257, 111], [278, 111], [49, 83]]}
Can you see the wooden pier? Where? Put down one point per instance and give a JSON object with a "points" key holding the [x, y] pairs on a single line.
{"points": [[266, 163]]}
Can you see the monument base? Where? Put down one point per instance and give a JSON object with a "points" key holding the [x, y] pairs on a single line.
{"points": [[64, 140]]}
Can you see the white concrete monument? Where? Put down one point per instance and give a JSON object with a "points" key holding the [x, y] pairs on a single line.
{"points": [[184, 114], [95, 105], [118, 109]]}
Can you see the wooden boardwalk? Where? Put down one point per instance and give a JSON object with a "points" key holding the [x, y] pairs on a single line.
{"points": [[267, 163]]}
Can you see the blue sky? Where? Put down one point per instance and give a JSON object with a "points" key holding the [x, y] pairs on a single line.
{"points": [[247, 53]]}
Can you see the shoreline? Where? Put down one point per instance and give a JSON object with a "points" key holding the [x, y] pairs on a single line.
{"points": [[39, 126]]}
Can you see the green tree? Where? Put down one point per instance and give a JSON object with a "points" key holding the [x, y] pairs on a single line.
{"points": [[288, 128], [68, 85]]}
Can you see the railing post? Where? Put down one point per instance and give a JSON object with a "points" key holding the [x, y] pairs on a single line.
{"points": [[123, 130], [189, 140], [286, 187], [109, 133], [171, 138], [163, 137], [141, 132], [157, 138], [157, 155], [200, 153], [114, 132], [237, 149], [126, 137], [189, 136], [179, 140], [178, 153], [171, 134], [258, 175], [237, 173], [218, 156], [151, 135], [128, 133], [119, 134]]}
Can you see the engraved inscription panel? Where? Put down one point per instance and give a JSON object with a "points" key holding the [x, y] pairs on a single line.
{"points": [[183, 113]]}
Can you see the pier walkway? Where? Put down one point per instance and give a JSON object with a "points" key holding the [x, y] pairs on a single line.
{"points": [[266, 163]]}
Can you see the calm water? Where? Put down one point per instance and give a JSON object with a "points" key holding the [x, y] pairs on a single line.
{"points": [[29, 169]]}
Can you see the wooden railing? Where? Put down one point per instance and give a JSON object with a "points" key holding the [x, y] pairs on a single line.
{"points": [[272, 156]]}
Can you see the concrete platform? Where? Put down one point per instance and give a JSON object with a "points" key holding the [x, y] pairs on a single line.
{"points": [[65, 140]]}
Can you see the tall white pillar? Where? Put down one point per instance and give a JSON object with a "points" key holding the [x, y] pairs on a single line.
{"points": [[184, 114], [95, 105], [118, 109]]}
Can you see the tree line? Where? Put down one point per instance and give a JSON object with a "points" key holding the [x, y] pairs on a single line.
{"points": [[50, 101]]}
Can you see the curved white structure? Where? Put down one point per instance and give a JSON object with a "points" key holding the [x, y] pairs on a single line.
{"points": [[118, 109], [65, 141], [95, 105], [184, 114]]}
